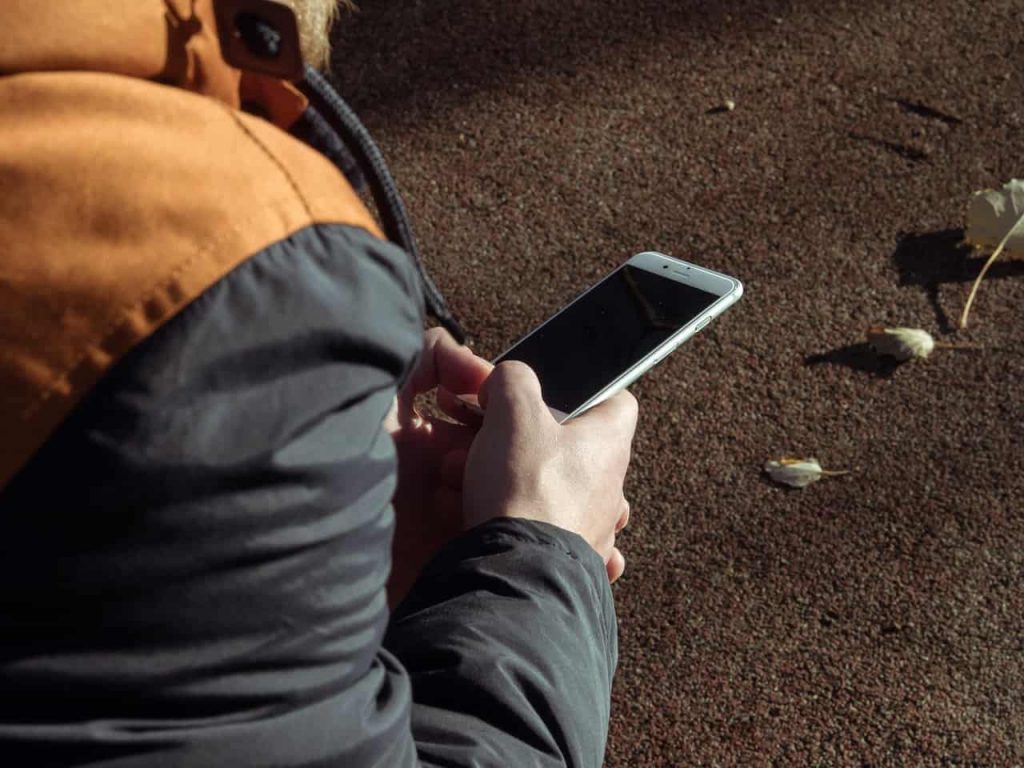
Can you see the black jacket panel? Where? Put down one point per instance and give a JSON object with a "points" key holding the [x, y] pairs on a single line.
{"points": [[518, 669], [192, 569]]}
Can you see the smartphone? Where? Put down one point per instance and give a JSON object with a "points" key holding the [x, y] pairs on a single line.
{"points": [[620, 328]]}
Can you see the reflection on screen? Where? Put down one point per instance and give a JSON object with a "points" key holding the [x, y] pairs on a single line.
{"points": [[600, 336]]}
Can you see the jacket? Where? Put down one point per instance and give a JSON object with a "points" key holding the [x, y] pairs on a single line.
{"points": [[201, 332]]}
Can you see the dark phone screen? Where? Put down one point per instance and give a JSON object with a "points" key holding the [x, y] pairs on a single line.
{"points": [[606, 332]]}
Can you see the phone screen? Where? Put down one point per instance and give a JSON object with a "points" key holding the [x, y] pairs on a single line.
{"points": [[606, 332]]}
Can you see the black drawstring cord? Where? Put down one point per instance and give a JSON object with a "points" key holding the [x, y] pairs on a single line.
{"points": [[389, 203]]}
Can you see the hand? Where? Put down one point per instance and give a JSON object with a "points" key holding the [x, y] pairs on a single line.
{"points": [[525, 464], [431, 456]]}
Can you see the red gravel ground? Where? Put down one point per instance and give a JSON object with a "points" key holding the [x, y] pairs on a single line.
{"points": [[875, 619]]}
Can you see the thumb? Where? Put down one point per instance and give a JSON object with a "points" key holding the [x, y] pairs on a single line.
{"points": [[512, 394]]}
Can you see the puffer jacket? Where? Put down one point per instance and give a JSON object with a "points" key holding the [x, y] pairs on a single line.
{"points": [[201, 332]]}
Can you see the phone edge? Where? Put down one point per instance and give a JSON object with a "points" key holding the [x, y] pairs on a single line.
{"points": [[724, 301], [667, 347]]}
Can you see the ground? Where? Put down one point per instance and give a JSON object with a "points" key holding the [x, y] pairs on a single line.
{"points": [[872, 619]]}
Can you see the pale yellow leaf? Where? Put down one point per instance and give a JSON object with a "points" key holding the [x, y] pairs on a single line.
{"points": [[901, 343], [796, 473], [992, 214]]}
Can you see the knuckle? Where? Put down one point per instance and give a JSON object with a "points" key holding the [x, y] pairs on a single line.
{"points": [[435, 336], [629, 407], [515, 373], [515, 382], [619, 461], [514, 368]]}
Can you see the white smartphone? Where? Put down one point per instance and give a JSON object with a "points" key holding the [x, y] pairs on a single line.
{"points": [[617, 330]]}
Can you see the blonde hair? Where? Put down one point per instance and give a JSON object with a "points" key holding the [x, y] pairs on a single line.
{"points": [[315, 19]]}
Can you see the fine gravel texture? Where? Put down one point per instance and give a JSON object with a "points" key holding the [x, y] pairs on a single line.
{"points": [[870, 619]]}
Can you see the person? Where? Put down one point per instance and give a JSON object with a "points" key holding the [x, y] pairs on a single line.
{"points": [[211, 362]]}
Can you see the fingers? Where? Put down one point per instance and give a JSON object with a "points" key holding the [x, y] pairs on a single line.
{"points": [[453, 468], [614, 561], [446, 522], [455, 408], [445, 363], [610, 427], [512, 394], [623, 520], [619, 412], [616, 565]]}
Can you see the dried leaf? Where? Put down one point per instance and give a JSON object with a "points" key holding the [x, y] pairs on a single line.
{"points": [[901, 343], [796, 473], [994, 218], [992, 214]]}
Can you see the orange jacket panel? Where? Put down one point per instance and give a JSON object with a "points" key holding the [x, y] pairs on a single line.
{"points": [[122, 199]]}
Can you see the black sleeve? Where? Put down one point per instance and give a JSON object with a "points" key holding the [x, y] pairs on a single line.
{"points": [[509, 638], [193, 568]]}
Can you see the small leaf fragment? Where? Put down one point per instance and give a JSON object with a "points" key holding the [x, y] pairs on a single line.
{"points": [[796, 473], [994, 218], [993, 214], [901, 343]]}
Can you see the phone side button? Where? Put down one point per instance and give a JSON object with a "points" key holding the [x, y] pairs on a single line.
{"points": [[662, 356], [702, 323]]}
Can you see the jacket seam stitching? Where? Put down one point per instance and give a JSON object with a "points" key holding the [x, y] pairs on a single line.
{"points": [[273, 159], [119, 319]]}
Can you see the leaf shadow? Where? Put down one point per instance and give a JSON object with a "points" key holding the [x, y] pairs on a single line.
{"points": [[859, 357], [931, 259], [766, 480], [906, 151]]}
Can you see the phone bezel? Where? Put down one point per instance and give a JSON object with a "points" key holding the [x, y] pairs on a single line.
{"points": [[727, 289]]}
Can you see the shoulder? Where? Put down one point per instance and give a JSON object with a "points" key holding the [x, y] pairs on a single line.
{"points": [[133, 200]]}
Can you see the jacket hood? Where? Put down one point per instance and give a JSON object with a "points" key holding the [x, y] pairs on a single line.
{"points": [[169, 41], [173, 42]]}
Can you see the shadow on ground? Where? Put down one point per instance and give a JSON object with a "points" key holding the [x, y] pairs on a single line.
{"points": [[932, 259], [394, 52], [858, 357]]}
